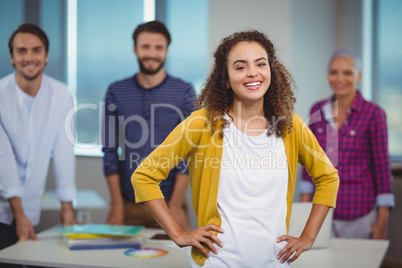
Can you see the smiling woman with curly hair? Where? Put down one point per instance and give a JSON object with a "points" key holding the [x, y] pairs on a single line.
{"points": [[217, 97], [242, 148]]}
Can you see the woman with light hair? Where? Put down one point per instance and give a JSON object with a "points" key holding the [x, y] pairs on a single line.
{"points": [[353, 132]]}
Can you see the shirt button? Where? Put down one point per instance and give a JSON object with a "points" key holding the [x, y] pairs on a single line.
{"points": [[352, 132], [346, 122], [330, 150], [112, 107], [319, 130]]}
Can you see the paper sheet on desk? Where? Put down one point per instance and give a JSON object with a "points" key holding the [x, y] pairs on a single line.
{"points": [[102, 229]]}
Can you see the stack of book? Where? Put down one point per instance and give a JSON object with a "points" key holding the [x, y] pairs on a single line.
{"points": [[102, 236]]}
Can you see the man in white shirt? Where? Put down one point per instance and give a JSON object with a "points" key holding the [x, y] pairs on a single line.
{"points": [[33, 108]]}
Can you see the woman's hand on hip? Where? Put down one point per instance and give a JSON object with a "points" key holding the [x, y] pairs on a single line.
{"points": [[200, 237]]}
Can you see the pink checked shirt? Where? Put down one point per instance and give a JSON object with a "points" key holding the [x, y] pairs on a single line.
{"points": [[359, 150]]}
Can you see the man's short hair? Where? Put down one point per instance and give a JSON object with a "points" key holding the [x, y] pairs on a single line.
{"points": [[152, 27], [29, 28]]}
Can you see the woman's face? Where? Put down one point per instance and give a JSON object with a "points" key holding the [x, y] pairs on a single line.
{"points": [[249, 71], [343, 77]]}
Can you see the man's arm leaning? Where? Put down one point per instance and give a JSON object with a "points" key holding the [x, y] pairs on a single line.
{"points": [[64, 163], [116, 212], [24, 226]]}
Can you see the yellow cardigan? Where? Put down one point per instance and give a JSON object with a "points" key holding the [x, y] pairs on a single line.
{"points": [[192, 140]]}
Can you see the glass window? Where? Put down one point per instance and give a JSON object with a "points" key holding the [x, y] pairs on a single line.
{"points": [[50, 17], [188, 52], [387, 68], [104, 48], [104, 55], [11, 16], [53, 21]]}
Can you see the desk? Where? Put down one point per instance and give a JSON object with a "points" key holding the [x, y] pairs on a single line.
{"points": [[86, 200], [345, 253], [52, 252]]}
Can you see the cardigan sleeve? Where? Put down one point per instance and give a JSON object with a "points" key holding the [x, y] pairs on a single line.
{"points": [[306, 186], [318, 166], [176, 147]]}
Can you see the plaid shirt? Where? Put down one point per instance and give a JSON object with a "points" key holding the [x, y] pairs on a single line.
{"points": [[359, 150]]}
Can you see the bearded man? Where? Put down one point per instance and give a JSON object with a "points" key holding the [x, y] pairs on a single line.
{"points": [[140, 112]]}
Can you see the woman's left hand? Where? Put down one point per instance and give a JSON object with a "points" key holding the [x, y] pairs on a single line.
{"points": [[294, 246]]}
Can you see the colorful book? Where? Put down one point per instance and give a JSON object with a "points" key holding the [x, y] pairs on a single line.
{"points": [[92, 241], [102, 236]]}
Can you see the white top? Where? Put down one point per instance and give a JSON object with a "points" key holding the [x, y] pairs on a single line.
{"points": [[251, 200], [31, 130]]}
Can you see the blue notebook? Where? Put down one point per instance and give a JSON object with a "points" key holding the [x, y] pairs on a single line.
{"points": [[103, 229]]}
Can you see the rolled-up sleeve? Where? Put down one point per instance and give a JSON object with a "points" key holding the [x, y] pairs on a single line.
{"points": [[381, 169], [10, 185]]}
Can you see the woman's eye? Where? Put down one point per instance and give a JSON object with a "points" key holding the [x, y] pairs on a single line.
{"points": [[262, 64], [240, 68]]}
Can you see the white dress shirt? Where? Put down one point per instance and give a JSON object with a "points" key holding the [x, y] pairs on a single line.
{"points": [[31, 131]]}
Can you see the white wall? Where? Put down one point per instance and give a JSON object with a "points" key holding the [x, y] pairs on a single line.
{"points": [[269, 16], [313, 40]]}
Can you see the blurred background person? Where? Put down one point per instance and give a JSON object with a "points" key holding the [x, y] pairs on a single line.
{"points": [[33, 107], [353, 132], [146, 108]]}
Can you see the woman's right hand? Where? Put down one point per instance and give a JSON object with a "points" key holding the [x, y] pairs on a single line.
{"points": [[201, 236], [197, 238]]}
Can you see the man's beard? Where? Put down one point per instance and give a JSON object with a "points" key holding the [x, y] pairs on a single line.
{"points": [[150, 71], [33, 77]]}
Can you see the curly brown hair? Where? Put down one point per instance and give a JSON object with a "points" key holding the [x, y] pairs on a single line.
{"points": [[278, 100]]}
